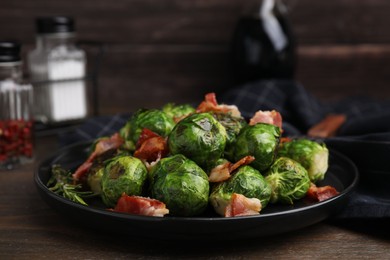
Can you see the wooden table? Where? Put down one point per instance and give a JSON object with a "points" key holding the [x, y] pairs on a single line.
{"points": [[30, 229]]}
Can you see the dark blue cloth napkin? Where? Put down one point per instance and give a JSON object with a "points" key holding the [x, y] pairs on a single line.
{"points": [[364, 137], [92, 128]]}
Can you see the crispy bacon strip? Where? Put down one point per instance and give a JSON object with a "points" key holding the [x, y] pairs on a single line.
{"points": [[210, 104], [82, 171], [145, 135], [243, 161], [177, 119], [103, 145], [150, 146], [140, 206], [242, 206], [285, 139], [320, 193], [328, 127], [269, 117], [220, 172], [223, 171]]}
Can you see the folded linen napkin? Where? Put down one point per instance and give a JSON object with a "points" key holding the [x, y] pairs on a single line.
{"points": [[364, 137]]}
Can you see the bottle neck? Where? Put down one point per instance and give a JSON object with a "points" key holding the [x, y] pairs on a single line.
{"points": [[275, 7], [50, 41], [11, 71]]}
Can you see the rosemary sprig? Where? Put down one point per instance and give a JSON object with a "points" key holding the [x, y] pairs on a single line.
{"points": [[61, 183]]}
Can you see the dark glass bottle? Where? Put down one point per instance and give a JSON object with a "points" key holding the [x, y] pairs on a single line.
{"points": [[263, 46]]}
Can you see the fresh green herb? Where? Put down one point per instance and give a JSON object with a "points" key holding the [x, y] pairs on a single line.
{"points": [[61, 183]]}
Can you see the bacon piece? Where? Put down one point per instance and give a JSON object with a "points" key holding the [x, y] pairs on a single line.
{"points": [[177, 119], [220, 172], [82, 171], [140, 206], [102, 146], [320, 193], [269, 117], [328, 127], [242, 206], [285, 139], [151, 146], [223, 171], [145, 135], [210, 104], [243, 161]]}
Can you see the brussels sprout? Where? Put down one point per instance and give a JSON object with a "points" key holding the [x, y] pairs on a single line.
{"points": [[200, 137], [177, 111], [261, 141], [152, 119], [122, 174], [288, 179], [246, 181], [95, 180], [95, 173], [310, 154], [181, 184], [233, 126]]}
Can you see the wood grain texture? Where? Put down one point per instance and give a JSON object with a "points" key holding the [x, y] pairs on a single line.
{"points": [[161, 51], [30, 229], [176, 50], [332, 72], [156, 76], [198, 21]]}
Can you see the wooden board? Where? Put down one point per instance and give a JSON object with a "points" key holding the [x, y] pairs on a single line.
{"points": [[160, 51]]}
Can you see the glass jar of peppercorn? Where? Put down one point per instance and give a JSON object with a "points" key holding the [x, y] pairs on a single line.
{"points": [[15, 109]]}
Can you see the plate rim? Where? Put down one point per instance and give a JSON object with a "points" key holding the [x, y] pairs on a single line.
{"points": [[61, 152]]}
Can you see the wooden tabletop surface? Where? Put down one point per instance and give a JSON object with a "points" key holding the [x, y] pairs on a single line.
{"points": [[30, 229]]}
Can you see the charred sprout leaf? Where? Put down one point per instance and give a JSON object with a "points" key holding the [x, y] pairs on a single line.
{"points": [[61, 183], [200, 137], [246, 181], [122, 174], [288, 179], [310, 154], [95, 173], [233, 126], [153, 119], [181, 184], [261, 141]]}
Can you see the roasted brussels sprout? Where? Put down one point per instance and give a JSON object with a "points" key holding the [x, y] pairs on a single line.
{"points": [[177, 112], [122, 174], [181, 184], [95, 173], [153, 119], [233, 126], [246, 181], [261, 141], [288, 179], [94, 180], [310, 154], [200, 137]]}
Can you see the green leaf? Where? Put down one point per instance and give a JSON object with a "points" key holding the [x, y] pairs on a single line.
{"points": [[61, 183]]}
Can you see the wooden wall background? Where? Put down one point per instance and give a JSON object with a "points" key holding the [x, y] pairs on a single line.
{"points": [[176, 50]]}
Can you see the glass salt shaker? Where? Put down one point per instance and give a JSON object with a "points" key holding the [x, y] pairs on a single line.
{"points": [[57, 69], [16, 97]]}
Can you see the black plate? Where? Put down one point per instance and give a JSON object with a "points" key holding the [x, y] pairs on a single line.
{"points": [[274, 219]]}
